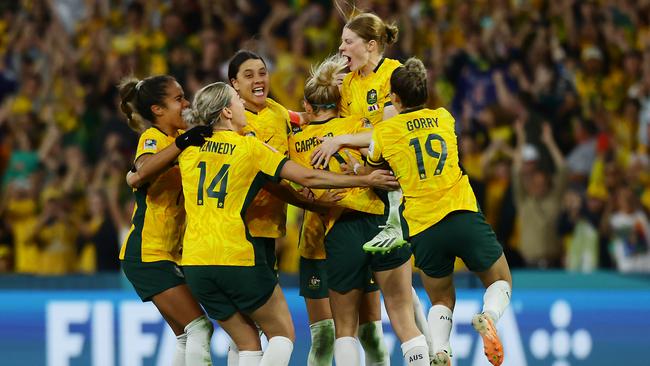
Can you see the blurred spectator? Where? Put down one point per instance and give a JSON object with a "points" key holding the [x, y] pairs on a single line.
{"points": [[584, 66], [630, 233], [538, 198]]}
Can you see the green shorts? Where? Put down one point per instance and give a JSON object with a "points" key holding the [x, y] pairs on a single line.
{"points": [[225, 290], [151, 278], [348, 265], [269, 248], [313, 278], [462, 234]]}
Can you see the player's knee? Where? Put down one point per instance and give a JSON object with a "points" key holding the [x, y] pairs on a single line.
{"points": [[201, 325]]}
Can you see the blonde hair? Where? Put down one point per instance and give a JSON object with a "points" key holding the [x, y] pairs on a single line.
{"points": [[208, 104], [321, 90], [370, 27]]}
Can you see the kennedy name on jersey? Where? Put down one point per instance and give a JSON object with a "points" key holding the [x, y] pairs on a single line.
{"points": [[218, 147], [310, 143], [421, 123]]}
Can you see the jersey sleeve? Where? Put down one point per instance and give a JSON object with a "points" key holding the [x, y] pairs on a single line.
{"points": [[150, 142], [268, 161], [375, 149]]}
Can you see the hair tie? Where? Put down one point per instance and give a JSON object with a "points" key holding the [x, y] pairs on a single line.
{"points": [[325, 106], [138, 85]]}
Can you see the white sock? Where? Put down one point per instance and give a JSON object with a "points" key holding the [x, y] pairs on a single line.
{"points": [[394, 201], [416, 351], [278, 352], [199, 333], [233, 353], [496, 299], [179, 356], [249, 358], [421, 321], [321, 352], [440, 327], [346, 352], [371, 336]]}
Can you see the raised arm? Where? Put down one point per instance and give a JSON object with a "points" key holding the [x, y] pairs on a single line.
{"points": [[560, 178], [330, 145], [314, 178], [289, 195], [517, 185], [147, 167], [551, 145]]}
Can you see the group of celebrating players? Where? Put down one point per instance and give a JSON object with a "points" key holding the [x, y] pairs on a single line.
{"points": [[221, 190]]}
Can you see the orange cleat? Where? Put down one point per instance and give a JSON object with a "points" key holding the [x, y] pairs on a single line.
{"points": [[491, 342]]}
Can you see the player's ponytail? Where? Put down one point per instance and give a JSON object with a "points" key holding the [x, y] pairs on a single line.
{"points": [[208, 104], [321, 91], [391, 33], [137, 97], [409, 82]]}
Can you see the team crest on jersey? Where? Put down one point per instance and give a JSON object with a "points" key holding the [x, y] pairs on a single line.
{"points": [[371, 97], [149, 144], [314, 283]]}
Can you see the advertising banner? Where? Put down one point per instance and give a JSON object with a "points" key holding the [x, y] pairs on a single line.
{"points": [[541, 327]]}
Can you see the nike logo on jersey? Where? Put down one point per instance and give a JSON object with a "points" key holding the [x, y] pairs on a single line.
{"points": [[269, 139]]}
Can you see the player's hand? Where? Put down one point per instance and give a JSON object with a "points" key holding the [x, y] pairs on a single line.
{"points": [[194, 137], [330, 197], [307, 194], [354, 166], [323, 152], [382, 179]]}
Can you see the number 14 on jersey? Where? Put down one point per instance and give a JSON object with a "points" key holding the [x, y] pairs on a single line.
{"points": [[220, 179]]}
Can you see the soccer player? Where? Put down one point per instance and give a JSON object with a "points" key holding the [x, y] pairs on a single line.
{"points": [[365, 91], [348, 227], [225, 266], [441, 217], [269, 122], [151, 251]]}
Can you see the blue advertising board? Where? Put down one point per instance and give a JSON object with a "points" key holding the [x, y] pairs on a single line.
{"points": [[542, 327]]}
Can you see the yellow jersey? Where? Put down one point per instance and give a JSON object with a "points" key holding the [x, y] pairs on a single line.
{"points": [[220, 180], [302, 142], [421, 147], [368, 95], [267, 215], [158, 215]]}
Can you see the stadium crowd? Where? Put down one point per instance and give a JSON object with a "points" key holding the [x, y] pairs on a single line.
{"points": [[551, 100]]}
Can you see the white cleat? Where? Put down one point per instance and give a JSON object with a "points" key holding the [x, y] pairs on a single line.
{"points": [[387, 239]]}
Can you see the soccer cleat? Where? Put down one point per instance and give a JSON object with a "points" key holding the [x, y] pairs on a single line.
{"points": [[387, 239], [441, 359], [491, 343]]}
